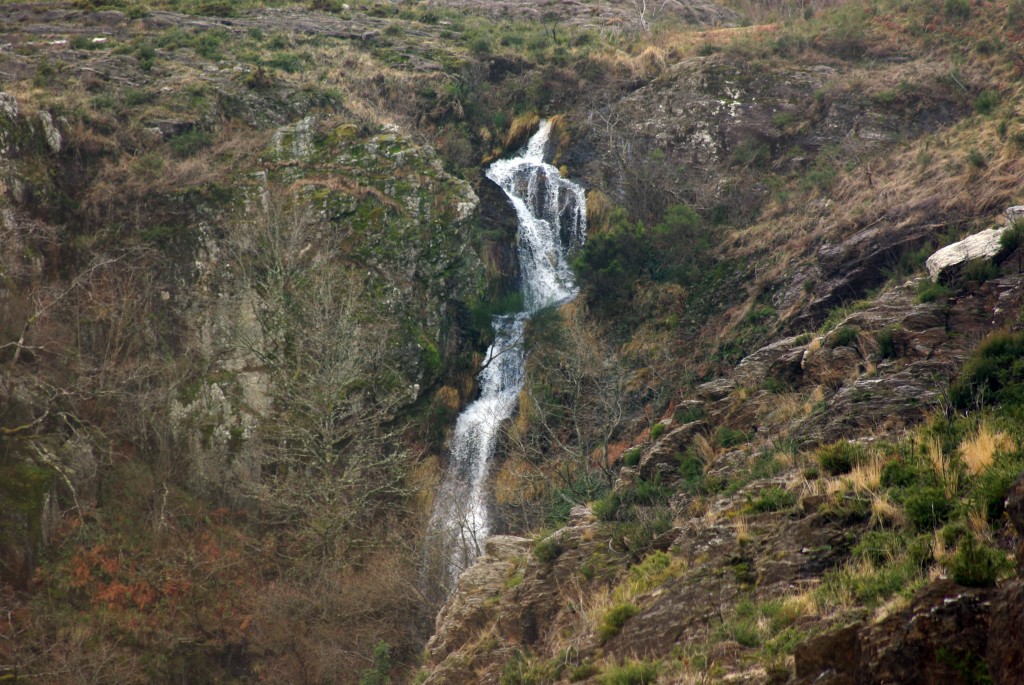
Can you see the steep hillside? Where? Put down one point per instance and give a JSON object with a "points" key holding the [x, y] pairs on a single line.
{"points": [[247, 266]]}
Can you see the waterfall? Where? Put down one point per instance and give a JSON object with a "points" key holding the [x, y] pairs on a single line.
{"points": [[551, 213]]}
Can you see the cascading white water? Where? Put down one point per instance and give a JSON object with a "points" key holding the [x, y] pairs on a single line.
{"points": [[552, 221]]}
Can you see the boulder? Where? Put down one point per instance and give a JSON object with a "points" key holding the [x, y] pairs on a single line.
{"points": [[947, 263], [1005, 648], [1014, 214], [941, 639]]}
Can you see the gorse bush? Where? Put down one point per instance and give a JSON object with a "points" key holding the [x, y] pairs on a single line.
{"points": [[613, 621], [976, 564], [994, 374], [886, 339], [631, 457], [978, 271], [845, 336], [928, 291], [927, 507], [1011, 239], [986, 101], [773, 499], [840, 457]]}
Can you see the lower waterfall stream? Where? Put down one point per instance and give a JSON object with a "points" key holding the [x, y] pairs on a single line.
{"points": [[551, 213]]}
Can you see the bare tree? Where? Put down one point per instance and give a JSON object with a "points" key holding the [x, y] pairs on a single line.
{"points": [[578, 398]]}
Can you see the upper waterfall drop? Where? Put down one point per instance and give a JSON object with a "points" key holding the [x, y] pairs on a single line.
{"points": [[552, 220]]}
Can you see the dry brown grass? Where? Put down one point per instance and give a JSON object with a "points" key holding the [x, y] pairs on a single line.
{"points": [[705, 450], [978, 451], [944, 465], [741, 528], [885, 513], [520, 130], [599, 211], [867, 477], [519, 481]]}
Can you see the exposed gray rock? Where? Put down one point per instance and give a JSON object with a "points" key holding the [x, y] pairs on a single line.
{"points": [[50, 132], [8, 105], [717, 389], [661, 456], [945, 264]]}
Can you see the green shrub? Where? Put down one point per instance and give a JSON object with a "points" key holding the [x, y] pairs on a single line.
{"points": [[730, 437], [631, 457], [613, 621], [898, 474], [647, 493], [1014, 13], [146, 56], [978, 271], [657, 430], [773, 499], [582, 672], [607, 507], [774, 385], [751, 153], [976, 159], [380, 672], [691, 468], [990, 487], [994, 374], [845, 336], [880, 546], [1011, 239], [547, 549], [976, 565], [986, 101], [927, 507], [190, 142], [632, 673], [636, 535], [689, 414], [840, 457], [957, 9], [929, 291], [289, 62], [886, 339], [848, 509], [952, 533]]}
